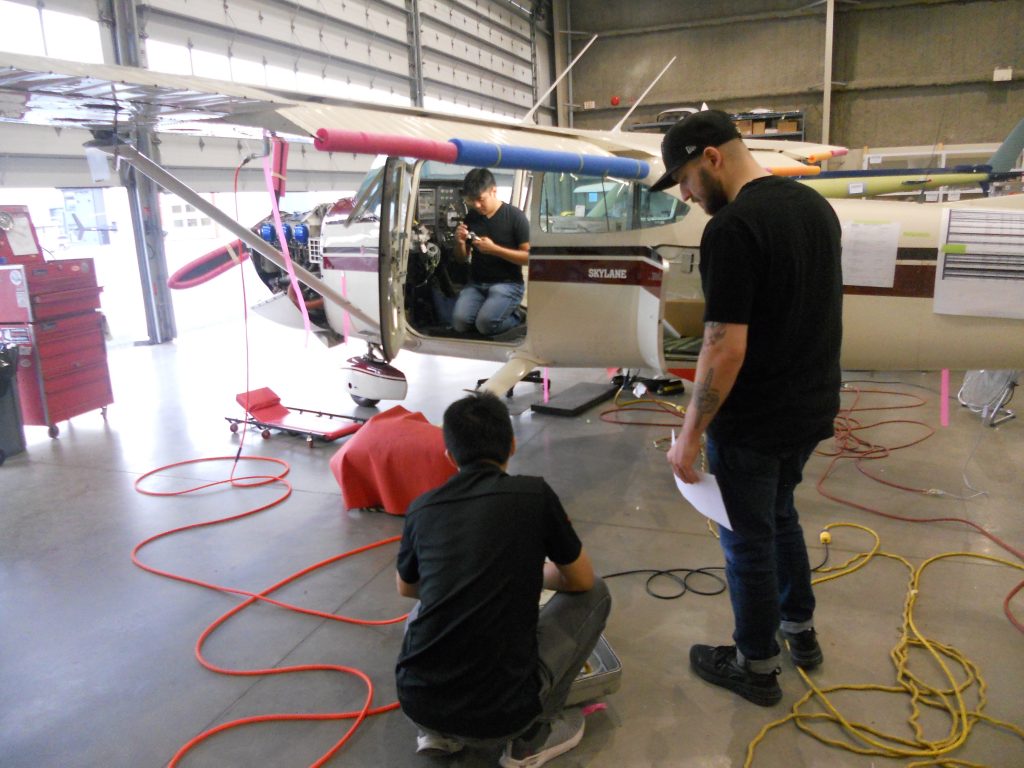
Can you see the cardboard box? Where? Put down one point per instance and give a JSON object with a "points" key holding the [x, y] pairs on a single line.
{"points": [[758, 128], [787, 126], [745, 127], [686, 316]]}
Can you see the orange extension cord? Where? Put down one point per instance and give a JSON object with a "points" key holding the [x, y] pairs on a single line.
{"points": [[264, 596], [252, 481], [850, 446]]}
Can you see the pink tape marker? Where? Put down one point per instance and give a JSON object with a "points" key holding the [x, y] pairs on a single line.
{"points": [[346, 326], [547, 388], [944, 398]]}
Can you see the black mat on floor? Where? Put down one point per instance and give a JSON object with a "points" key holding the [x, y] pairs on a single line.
{"points": [[576, 399]]}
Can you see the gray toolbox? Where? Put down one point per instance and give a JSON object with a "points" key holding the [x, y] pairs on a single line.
{"points": [[600, 676]]}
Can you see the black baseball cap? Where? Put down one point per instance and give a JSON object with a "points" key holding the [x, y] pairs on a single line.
{"points": [[689, 137]]}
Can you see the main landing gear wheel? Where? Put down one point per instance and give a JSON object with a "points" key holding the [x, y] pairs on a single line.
{"points": [[366, 402], [53, 431], [233, 427]]}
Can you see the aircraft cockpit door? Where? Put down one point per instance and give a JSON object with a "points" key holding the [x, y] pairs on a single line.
{"points": [[397, 194], [596, 284]]}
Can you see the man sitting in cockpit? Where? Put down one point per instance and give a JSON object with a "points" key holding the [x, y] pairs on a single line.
{"points": [[495, 240]]}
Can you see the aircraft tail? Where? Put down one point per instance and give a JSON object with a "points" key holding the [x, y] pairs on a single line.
{"points": [[1006, 156]]}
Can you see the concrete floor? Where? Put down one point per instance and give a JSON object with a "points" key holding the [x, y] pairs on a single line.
{"points": [[97, 664]]}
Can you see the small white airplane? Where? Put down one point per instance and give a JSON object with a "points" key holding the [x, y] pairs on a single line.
{"points": [[1001, 167], [612, 277]]}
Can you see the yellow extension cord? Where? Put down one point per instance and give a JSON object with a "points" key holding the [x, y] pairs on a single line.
{"points": [[867, 740]]}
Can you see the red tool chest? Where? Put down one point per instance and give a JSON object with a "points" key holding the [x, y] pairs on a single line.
{"points": [[49, 309]]}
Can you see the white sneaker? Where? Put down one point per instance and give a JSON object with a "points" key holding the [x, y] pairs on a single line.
{"points": [[430, 743], [566, 732]]}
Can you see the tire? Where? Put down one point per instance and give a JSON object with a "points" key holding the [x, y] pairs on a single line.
{"points": [[365, 402]]}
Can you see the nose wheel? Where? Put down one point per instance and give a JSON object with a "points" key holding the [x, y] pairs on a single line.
{"points": [[371, 379]]}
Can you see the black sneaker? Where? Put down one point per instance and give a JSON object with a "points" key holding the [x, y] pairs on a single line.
{"points": [[551, 740], [719, 667], [803, 648]]}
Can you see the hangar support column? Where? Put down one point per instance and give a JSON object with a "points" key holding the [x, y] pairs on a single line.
{"points": [[143, 194]]}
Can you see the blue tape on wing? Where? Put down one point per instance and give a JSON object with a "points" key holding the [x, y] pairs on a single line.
{"points": [[623, 167], [481, 154], [476, 153]]}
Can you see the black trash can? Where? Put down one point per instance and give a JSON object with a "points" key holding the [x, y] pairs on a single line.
{"points": [[12, 432]]}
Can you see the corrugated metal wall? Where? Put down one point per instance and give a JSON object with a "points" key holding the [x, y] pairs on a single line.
{"points": [[472, 56], [904, 71]]}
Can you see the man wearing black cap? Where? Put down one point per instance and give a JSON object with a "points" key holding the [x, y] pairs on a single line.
{"points": [[767, 387]]}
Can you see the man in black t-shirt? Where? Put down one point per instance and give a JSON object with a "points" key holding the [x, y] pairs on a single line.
{"points": [[767, 387], [478, 662], [495, 240]]}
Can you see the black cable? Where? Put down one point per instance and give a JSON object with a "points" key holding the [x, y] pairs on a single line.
{"points": [[683, 582], [824, 562]]}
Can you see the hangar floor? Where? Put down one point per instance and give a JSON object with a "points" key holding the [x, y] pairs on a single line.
{"points": [[97, 667]]}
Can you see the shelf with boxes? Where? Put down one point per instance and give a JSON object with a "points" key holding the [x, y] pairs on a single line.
{"points": [[770, 125]]}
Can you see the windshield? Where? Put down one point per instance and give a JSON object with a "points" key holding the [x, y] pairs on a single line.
{"points": [[367, 204]]}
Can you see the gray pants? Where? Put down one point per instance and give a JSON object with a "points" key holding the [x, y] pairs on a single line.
{"points": [[568, 628]]}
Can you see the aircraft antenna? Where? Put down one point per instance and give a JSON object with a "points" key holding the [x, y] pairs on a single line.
{"points": [[625, 117], [529, 115]]}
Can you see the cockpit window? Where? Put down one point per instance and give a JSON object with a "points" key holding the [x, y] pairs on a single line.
{"points": [[367, 200], [659, 208], [586, 204]]}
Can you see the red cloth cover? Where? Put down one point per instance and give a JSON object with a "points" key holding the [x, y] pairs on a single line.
{"points": [[396, 456]]}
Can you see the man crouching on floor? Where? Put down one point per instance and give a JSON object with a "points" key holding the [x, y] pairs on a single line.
{"points": [[479, 663]]}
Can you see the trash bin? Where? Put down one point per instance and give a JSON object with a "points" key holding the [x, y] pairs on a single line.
{"points": [[12, 433]]}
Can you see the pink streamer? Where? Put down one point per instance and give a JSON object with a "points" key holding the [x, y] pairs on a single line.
{"points": [[346, 323], [944, 398], [269, 177]]}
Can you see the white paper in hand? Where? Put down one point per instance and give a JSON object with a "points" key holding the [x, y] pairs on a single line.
{"points": [[704, 495]]}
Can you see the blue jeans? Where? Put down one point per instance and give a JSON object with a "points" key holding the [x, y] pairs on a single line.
{"points": [[766, 563], [489, 308]]}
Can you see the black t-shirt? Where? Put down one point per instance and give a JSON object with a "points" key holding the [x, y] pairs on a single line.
{"points": [[508, 228], [770, 259], [476, 545]]}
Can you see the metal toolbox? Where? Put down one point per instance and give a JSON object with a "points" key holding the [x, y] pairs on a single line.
{"points": [[601, 676]]}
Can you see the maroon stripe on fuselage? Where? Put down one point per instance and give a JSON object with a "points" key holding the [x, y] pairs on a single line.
{"points": [[351, 259], [600, 271], [909, 281]]}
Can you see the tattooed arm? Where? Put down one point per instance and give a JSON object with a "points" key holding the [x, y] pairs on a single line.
{"points": [[721, 356]]}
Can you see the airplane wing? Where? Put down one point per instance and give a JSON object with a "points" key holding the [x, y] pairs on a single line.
{"points": [[46, 91]]}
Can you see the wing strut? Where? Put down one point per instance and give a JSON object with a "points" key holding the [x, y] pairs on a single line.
{"points": [[529, 115], [173, 184], [625, 117]]}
